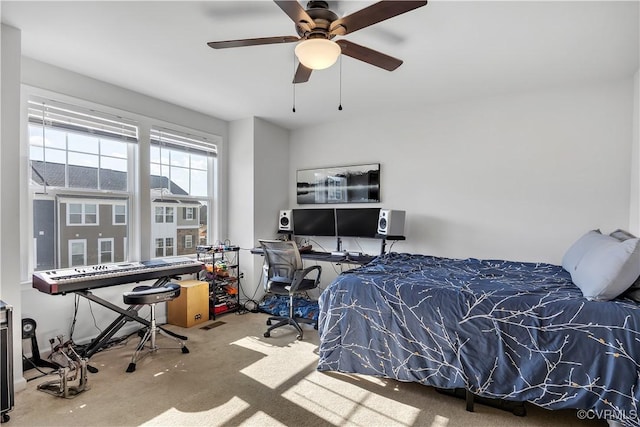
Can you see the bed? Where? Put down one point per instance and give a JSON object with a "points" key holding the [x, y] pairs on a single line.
{"points": [[500, 329]]}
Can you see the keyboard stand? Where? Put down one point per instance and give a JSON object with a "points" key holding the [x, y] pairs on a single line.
{"points": [[126, 315]]}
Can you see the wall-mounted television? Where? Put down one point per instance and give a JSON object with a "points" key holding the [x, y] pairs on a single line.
{"points": [[355, 222], [314, 222]]}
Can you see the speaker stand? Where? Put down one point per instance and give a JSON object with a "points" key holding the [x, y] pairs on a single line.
{"points": [[384, 238]]}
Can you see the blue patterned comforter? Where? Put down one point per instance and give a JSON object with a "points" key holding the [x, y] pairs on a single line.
{"points": [[510, 330]]}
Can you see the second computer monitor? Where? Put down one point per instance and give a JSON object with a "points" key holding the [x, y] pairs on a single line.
{"points": [[357, 222]]}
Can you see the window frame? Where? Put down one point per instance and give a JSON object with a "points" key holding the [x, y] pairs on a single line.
{"points": [[169, 243], [115, 214], [184, 144], [137, 221], [189, 213], [83, 215], [110, 240], [70, 244]]}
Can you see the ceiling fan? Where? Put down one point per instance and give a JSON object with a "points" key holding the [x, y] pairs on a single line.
{"points": [[318, 25]]}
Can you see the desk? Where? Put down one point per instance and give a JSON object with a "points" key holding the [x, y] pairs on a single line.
{"points": [[327, 257]]}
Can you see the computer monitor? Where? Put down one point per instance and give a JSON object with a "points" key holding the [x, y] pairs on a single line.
{"points": [[314, 222], [357, 222]]}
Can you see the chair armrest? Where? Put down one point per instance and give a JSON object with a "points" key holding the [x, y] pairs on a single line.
{"points": [[301, 274]]}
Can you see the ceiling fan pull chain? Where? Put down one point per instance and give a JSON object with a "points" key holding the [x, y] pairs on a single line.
{"points": [[294, 84], [340, 103]]}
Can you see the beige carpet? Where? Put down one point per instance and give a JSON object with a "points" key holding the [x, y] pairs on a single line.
{"points": [[233, 376]]}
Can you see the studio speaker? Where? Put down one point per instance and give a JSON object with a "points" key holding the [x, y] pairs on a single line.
{"points": [[285, 223], [391, 222]]}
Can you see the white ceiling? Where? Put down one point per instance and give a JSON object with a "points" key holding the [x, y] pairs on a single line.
{"points": [[451, 50]]}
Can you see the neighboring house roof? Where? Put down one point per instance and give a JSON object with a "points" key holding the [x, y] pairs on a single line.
{"points": [[87, 177], [164, 183]]}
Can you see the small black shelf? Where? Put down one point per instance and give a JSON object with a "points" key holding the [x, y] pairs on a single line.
{"points": [[221, 299]]}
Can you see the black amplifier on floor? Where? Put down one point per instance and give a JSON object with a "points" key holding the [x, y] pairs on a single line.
{"points": [[6, 358]]}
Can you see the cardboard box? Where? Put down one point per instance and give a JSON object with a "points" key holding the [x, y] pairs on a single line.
{"points": [[192, 306]]}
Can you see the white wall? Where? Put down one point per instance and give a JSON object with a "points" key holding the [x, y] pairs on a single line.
{"points": [[634, 211], [513, 177], [241, 194], [10, 164], [270, 186], [259, 176]]}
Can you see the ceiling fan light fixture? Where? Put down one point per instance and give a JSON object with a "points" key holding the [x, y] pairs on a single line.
{"points": [[317, 54]]}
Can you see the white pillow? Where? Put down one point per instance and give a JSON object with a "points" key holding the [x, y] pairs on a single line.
{"points": [[607, 268], [584, 244]]}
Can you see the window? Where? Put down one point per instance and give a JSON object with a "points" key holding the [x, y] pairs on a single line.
{"points": [[119, 214], [159, 214], [77, 252], [82, 214], [179, 164], [105, 250], [74, 214], [182, 169], [90, 214], [83, 168], [159, 247], [64, 158], [81, 164], [189, 214], [164, 247], [168, 247], [163, 214], [81, 218]]}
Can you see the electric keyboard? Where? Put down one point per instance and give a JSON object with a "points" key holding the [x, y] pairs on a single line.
{"points": [[61, 281]]}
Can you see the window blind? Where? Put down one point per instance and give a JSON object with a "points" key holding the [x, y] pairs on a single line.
{"points": [[74, 118], [175, 139]]}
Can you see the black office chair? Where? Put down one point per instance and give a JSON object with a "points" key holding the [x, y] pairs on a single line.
{"points": [[287, 276], [151, 295]]}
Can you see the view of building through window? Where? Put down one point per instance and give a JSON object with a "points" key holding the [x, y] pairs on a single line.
{"points": [[180, 191], [82, 167], [80, 179]]}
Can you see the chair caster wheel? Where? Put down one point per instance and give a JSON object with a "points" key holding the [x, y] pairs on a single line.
{"points": [[185, 350], [269, 322], [5, 418], [131, 367], [267, 334], [299, 337], [315, 327]]}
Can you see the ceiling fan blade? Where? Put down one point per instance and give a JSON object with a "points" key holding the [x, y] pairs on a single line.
{"points": [[252, 42], [373, 14], [302, 74], [369, 56], [296, 12]]}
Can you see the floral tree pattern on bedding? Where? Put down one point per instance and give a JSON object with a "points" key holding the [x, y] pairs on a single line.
{"points": [[501, 329]]}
